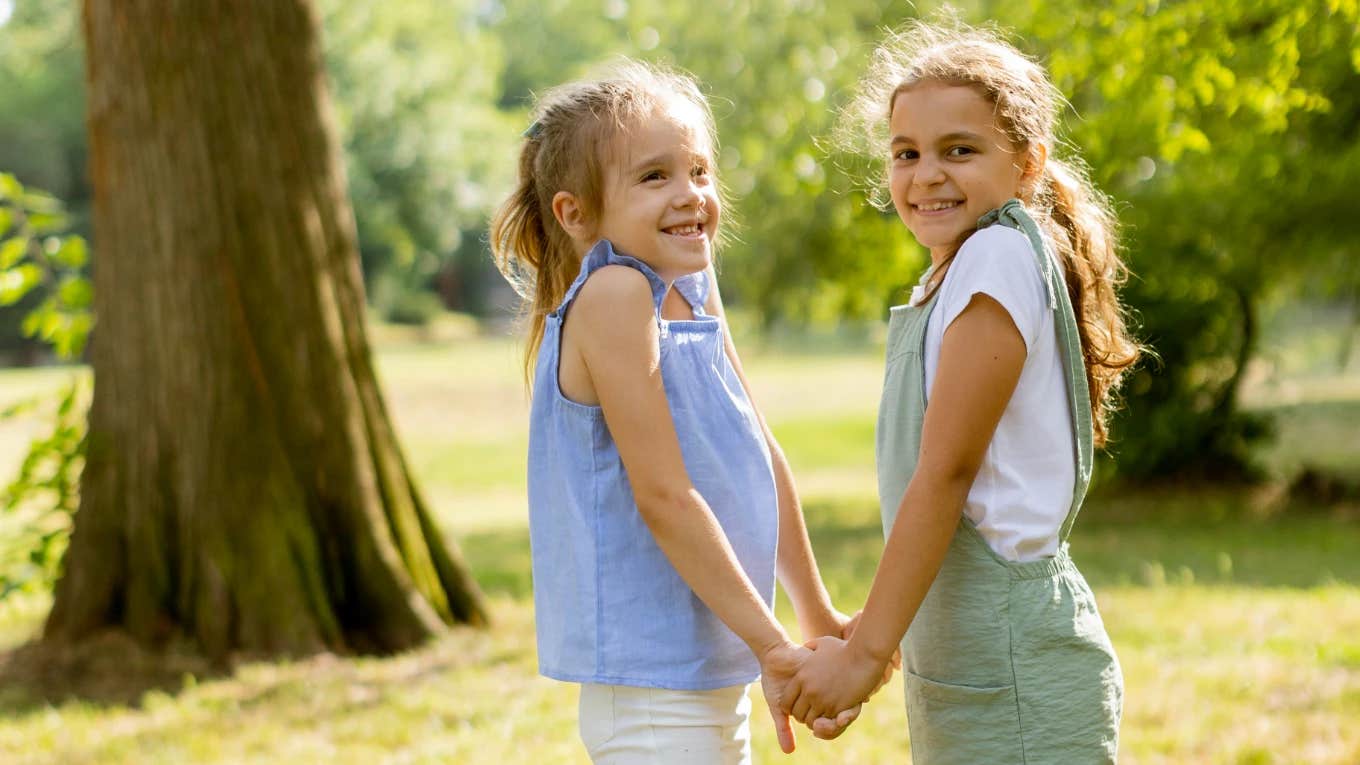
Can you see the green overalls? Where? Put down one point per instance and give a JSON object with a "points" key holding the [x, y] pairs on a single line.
{"points": [[1004, 662]]}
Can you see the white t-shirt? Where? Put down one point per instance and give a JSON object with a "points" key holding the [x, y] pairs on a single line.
{"points": [[1023, 490]]}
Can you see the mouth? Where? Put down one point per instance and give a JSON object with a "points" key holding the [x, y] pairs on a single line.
{"points": [[693, 230], [937, 206]]}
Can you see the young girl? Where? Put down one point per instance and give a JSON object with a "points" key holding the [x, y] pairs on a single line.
{"points": [[997, 387], [660, 505]]}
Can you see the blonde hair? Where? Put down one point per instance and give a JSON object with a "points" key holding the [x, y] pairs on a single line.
{"points": [[1076, 217], [566, 148]]}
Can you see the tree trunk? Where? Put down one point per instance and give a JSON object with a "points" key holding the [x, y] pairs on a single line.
{"points": [[243, 484]]}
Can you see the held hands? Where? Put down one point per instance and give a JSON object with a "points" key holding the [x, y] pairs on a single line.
{"points": [[836, 678], [824, 726]]}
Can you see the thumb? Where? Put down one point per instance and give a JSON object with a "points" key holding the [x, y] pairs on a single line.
{"points": [[782, 729]]}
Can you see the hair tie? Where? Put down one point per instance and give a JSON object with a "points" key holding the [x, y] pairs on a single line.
{"points": [[533, 130]]}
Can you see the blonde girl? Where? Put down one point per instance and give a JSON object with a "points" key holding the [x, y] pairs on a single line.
{"points": [[660, 506], [998, 382]]}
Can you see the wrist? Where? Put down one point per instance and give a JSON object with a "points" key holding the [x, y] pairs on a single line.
{"points": [[863, 648], [770, 641], [817, 618]]}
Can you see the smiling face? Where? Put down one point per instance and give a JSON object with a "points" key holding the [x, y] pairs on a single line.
{"points": [[951, 163], [660, 202]]}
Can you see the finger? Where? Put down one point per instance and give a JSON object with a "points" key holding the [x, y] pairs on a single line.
{"points": [[783, 730], [848, 716], [789, 696], [800, 710], [826, 729]]}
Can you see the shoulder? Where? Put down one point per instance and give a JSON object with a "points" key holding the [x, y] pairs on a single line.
{"points": [[614, 286], [999, 262], [998, 242], [997, 255], [613, 299]]}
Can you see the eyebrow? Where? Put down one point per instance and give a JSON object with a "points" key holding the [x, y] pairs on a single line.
{"points": [[958, 135], [652, 161]]}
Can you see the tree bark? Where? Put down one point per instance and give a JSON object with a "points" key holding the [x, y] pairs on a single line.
{"points": [[243, 484]]}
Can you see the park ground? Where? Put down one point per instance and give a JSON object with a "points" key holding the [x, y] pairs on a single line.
{"points": [[1235, 610]]}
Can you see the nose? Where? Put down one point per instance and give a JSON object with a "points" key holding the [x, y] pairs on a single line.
{"points": [[929, 171], [689, 195]]}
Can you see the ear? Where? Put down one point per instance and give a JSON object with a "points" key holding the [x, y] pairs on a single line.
{"points": [[571, 215], [1035, 157]]}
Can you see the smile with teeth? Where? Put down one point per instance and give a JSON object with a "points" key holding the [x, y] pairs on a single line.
{"points": [[937, 206], [686, 230]]}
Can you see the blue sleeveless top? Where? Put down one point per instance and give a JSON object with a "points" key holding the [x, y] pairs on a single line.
{"points": [[609, 606]]}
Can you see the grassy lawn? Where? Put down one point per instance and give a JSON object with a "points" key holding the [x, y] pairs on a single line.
{"points": [[1236, 613]]}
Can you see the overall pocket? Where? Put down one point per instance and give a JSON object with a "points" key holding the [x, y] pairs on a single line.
{"points": [[961, 724]]}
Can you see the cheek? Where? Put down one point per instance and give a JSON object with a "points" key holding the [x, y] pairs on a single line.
{"points": [[713, 205], [899, 180]]}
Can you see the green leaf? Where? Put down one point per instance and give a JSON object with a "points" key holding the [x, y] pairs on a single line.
{"points": [[40, 202], [34, 321], [71, 342], [12, 250], [47, 223], [75, 292], [72, 252], [10, 188], [51, 324], [16, 282], [6, 219]]}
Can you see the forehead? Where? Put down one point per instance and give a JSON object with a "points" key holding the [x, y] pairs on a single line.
{"points": [[676, 128], [936, 108]]}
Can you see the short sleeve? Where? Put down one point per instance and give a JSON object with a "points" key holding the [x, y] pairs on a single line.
{"points": [[999, 262]]}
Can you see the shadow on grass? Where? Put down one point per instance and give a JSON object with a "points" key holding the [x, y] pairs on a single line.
{"points": [[109, 669]]}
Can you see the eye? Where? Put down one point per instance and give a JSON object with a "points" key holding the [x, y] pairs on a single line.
{"points": [[653, 175], [906, 154], [960, 151]]}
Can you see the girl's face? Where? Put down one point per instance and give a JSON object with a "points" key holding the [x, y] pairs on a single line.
{"points": [[951, 163], [660, 202]]}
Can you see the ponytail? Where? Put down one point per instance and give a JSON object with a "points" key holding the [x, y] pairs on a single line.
{"points": [[531, 251], [1082, 226]]}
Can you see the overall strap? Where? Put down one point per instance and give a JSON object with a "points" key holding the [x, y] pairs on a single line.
{"points": [[694, 288], [603, 254], [1014, 215]]}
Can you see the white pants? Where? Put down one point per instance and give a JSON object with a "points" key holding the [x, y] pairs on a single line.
{"points": [[623, 725]]}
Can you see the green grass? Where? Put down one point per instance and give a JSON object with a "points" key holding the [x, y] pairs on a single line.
{"points": [[1236, 613]]}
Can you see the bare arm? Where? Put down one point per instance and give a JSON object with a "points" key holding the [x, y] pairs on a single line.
{"points": [[980, 363], [618, 340]]}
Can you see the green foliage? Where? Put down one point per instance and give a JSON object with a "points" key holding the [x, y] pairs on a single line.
{"points": [[32, 255], [1228, 133], [40, 501], [427, 152]]}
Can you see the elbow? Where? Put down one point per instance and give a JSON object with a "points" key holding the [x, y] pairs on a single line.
{"points": [[662, 506], [948, 477]]}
